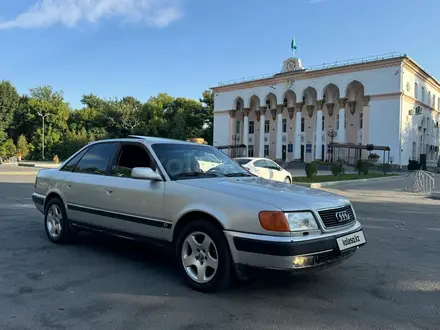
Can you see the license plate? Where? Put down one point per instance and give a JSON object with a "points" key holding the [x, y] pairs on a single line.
{"points": [[352, 240]]}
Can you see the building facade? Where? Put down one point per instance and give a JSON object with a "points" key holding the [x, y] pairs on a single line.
{"points": [[295, 114]]}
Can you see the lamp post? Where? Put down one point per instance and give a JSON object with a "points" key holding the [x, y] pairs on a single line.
{"points": [[235, 138], [332, 134], [43, 117]]}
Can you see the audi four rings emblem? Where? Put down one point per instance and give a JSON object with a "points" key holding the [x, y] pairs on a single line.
{"points": [[342, 216]]}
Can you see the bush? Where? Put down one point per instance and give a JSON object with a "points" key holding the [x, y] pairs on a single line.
{"points": [[385, 168], [311, 170], [8, 149], [337, 169], [362, 167], [413, 165]]}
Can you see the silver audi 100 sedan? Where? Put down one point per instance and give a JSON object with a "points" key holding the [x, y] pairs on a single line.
{"points": [[220, 220]]}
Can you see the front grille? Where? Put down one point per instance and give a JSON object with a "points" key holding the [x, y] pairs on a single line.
{"points": [[330, 219]]}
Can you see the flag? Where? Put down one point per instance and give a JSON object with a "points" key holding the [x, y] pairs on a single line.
{"points": [[293, 45]]}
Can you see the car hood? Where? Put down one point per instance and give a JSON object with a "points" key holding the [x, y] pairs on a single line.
{"points": [[287, 197]]}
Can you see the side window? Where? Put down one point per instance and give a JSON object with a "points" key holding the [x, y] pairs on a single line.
{"points": [[131, 156], [260, 163], [271, 165], [70, 166], [95, 161]]}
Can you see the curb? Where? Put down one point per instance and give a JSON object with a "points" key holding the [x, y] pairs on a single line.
{"points": [[435, 195], [38, 165], [346, 182]]}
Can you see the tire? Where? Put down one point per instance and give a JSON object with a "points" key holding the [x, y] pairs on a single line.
{"points": [[198, 273], [56, 223], [287, 180]]}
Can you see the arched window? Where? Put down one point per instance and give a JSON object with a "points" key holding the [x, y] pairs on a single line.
{"points": [[238, 106], [304, 99], [268, 104], [325, 98], [285, 103]]}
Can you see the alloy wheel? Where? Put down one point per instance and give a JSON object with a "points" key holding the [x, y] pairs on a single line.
{"points": [[54, 221]]}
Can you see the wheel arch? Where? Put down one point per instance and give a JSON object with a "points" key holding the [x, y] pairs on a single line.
{"points": [[52, 195], [191, 216]]}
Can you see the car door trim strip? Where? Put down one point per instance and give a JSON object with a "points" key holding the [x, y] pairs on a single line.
{"points": [[120, 216]]}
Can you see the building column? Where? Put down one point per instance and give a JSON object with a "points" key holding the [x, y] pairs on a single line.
{"points": [[262, 122], [341, 131], [318, 130], [279, 139], [366, 121], [231, 130], [246, 130], [297, 135]]}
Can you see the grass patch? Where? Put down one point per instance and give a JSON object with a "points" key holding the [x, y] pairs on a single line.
{"points": [[344, 177]]}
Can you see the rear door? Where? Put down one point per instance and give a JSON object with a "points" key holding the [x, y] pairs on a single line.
{"points": [[84, 187], [261, 168]]}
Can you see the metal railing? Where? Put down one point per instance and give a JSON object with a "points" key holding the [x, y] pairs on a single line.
{"points": [[322, 66], [420, 182]]}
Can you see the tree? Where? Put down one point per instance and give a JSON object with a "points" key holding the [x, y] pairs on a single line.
{"points": [[123, 116], [9, 99], [8, 149], [208, 104], [22, 146]]}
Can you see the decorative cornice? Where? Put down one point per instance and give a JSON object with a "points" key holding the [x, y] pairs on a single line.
{"points": [[320, 104], [258, 114], [273, 112], [366, 100], [232, 113], [330, 107], [352, 106], [342, 102], [280, 108], [299, 106], [310, 108], [262, 109], [246, 112], [291, 110]]}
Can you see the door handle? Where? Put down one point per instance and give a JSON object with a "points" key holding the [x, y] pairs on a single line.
{"points": [[108, 191]]}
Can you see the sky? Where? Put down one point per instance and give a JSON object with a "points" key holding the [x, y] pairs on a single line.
{"points": [[116, 48]]}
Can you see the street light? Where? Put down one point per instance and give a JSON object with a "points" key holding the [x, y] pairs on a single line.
{"points": [[43, 116], [332, 134]]}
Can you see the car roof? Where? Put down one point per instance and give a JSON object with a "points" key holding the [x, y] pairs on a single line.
{"points": [[147, 139], [251, 159]]}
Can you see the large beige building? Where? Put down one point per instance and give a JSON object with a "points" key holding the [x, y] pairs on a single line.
{"points": [[385, 100]]}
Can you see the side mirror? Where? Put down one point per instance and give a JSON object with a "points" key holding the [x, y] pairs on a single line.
{"points": [[145, 173]]}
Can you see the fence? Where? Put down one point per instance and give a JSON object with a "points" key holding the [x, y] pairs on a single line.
{"points": [[420, 182]]}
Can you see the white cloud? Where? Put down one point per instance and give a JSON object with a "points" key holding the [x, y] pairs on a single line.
{"points": [[71, 12]]}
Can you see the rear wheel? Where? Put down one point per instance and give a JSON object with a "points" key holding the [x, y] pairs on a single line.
{"points": [[56, 223], [203, 256]]}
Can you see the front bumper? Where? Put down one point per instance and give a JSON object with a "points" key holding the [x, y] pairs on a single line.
{"points": [[39, 201], [275, 252]]}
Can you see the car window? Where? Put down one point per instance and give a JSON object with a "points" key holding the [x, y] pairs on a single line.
{"points": [[70, 166], [242, 161], [96, 160], [270, 164], [207, 157], [260, 163], [131, 156]]}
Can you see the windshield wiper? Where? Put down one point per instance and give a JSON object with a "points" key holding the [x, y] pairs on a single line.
{"points": [[194, 175], [237, 174]]}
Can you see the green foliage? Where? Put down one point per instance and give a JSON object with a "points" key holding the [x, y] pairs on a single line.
{"points": [[413, 165], [66, 130], [337, 169], [9, 100], [22, 146], [8, 149], [362, 167], [384, 168], [311, 170]]}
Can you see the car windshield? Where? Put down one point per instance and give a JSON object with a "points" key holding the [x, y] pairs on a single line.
{"points": [[188, 161], [242, 161]]}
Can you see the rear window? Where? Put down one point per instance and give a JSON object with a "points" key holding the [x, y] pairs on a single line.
{"points": [[242, 161]]}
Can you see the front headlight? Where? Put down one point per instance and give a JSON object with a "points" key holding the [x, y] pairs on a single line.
{"points": [[301, 221]]}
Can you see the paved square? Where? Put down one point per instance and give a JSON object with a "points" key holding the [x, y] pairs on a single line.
{"points": [[107, 283]]}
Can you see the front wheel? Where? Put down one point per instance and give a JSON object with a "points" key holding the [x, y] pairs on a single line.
{"points": [[287, 180], [203, 257]]}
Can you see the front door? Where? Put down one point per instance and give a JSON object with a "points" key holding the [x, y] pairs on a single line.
{"points": [[302, 152], [261, 168], [284, 152], [135, 204]]}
